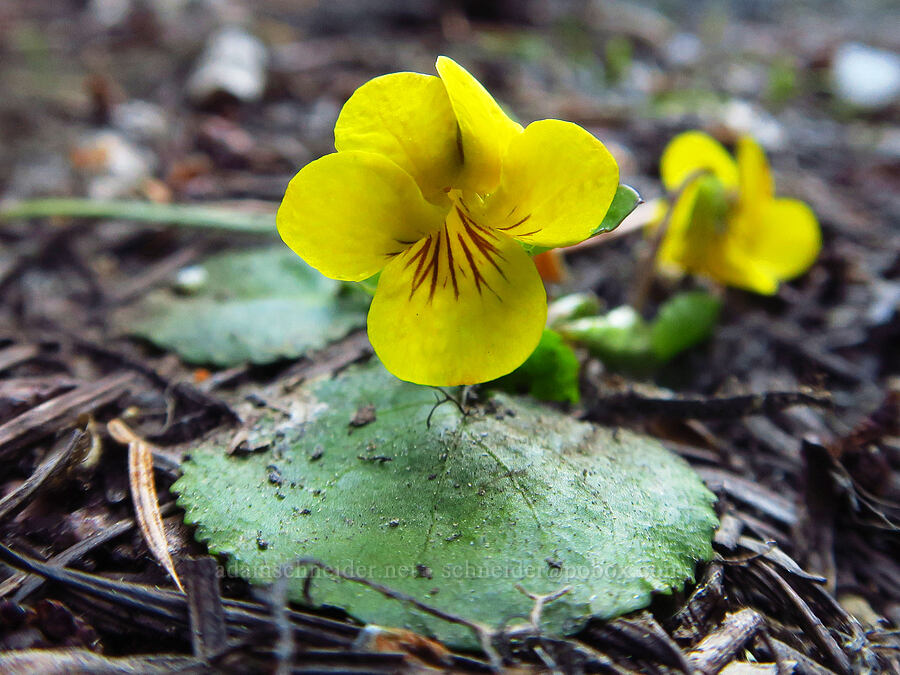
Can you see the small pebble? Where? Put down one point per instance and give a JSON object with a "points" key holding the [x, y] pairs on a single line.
{"points": [[191, 279], [864, 76], [117, 167]]}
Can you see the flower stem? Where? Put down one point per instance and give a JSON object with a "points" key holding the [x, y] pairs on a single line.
{"points": [[646, 265]]}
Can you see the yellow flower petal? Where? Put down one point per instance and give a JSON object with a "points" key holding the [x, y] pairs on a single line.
{"points": [[698, 244], [756, 185], [695, 151], [465, 305], [741, 272], [406, 117], [348, 213], [786, 239], [676, 247], [484, 129], [556, 185]]}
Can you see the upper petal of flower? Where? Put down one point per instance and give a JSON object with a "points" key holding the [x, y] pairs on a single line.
{"points": [[756, 184], [695, 151], [484, 129], [348, 213], [556, 185], [464, 305], [406, 117]]}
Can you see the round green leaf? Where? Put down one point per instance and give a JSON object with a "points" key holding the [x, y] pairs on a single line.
{"points": [[259, 306], [455, 514]]}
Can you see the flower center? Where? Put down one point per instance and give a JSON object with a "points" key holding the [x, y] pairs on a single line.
{"points": [[712, 207], [463, 252]]}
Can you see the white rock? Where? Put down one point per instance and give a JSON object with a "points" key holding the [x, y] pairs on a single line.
{"points": [[140, 119], [683, 50], [743, 117], [234, 62], [118, 167], [865, 76], [191, 279], [110, 12]]}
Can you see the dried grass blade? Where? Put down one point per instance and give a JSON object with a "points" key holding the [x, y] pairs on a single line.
{"points": [[143, 494]]}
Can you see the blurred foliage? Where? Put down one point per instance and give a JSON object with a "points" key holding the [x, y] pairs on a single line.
{"points": [[549, 374], [624, 340]]}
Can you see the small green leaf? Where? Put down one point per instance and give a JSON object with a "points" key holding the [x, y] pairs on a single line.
{"points": [[624, 202], [549, 374], [259, 306], [682, 322], [533, 250], [621, 338], [455, 513]]}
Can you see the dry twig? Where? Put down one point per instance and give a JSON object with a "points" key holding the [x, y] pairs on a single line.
{"points": [[143, 493]]}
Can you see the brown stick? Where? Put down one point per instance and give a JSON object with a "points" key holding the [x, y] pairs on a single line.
{"points": [[719, 647], [56, 413]]}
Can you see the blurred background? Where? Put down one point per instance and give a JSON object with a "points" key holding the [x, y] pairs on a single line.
{"points": [[191, 100], [206, 101]]}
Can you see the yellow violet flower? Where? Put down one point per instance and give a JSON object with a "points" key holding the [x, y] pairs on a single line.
{"points": [[727, 223], [434, 186]]}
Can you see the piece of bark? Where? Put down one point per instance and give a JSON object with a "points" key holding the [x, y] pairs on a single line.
{"points": [[718, 648]]}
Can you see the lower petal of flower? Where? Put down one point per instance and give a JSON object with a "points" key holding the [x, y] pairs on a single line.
{"points": [[786, 239], [464, 305]]}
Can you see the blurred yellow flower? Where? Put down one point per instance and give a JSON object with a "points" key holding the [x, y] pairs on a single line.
{"points": [[726, 223], [435, 187]]}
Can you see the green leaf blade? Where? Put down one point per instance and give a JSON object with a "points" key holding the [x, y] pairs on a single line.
{"points": [[620, 338], [255, 306], [456, 514], [185, 215]]}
